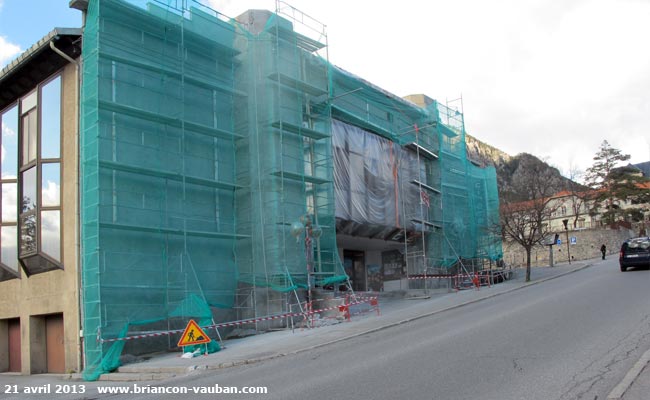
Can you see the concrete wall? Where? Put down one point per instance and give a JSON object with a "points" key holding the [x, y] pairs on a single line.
{"points": [[587, 246], [54, 291]]}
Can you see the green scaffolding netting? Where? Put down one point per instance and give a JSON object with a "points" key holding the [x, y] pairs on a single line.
{"points": [[204, 140], [447, 204]]}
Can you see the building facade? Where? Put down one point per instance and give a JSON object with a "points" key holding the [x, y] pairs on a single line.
{"points": [[582, 212], [221, 169], [39, 270]]}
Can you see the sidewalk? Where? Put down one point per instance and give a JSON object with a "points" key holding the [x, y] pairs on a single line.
{"points": [[394, 311]]}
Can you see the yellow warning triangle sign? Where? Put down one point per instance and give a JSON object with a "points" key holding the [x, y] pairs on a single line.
{"points": [[193, 334]]}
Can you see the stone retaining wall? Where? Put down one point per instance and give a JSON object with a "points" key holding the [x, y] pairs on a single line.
{"points": [[587, 246]]}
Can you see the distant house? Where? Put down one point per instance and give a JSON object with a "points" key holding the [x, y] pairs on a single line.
{"points": [[585, 231], [643, 167], [578, 209], [574, 207]]}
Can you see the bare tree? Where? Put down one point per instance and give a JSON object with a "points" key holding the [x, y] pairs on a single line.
{"points": [[526, 207]]}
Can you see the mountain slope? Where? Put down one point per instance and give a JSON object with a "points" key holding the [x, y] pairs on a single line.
{"points": [[510, 169]]}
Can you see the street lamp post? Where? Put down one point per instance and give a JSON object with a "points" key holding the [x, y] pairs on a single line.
{"points": [[550, 249], [568, 246]]}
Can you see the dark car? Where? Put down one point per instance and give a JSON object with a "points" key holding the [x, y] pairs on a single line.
{"points": [[635, 253]]}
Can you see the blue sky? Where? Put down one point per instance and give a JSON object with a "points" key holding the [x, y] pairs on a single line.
{"points": [[553, 78], [24, 22]]}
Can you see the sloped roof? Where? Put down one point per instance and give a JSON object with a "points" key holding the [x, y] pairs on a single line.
{"points": [[37, 63]]}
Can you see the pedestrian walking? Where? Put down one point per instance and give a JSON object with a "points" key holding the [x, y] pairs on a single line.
{"points": [[603, 249]]}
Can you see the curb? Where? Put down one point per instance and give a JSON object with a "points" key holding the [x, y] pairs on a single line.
{"points": [[630, 377], [428, 314]]}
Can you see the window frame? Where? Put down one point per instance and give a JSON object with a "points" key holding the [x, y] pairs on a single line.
{"points": [[44, 261], [7, 272]]}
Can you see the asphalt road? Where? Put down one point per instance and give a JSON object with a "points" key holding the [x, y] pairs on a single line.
{"points": [[569, 338]]}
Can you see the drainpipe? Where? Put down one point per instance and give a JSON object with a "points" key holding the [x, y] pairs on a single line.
{"points": [[65, 56], [79, 336]]}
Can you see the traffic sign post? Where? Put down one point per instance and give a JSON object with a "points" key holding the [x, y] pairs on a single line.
{"points": [[193, 334]]}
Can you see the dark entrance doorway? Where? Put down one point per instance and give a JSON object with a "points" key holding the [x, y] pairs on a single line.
{"points": [[13, 326], [355, 267], [55, 343]]}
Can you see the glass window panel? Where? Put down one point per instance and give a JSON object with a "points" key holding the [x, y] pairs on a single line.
{"points": [[25, 136], [9, 202], [29, 190], [9, 237], [51, 184], [51, 119], [27, 235], [29, 102], [33, 131], [10, 143], [51, 233], [30, 128]]}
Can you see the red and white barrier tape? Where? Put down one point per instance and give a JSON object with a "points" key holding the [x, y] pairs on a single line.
{"points": [[457, 276], [373, 301], [430, 276]]}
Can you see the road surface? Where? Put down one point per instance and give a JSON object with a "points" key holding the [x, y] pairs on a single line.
{"points": [[569, 338], [574, 337]]}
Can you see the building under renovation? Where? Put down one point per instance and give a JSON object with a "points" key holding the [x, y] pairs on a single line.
{"points": [[188, 165]]}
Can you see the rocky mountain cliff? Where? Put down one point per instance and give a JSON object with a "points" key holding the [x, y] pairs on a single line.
{"points": [[509, 167], [483, 153]]}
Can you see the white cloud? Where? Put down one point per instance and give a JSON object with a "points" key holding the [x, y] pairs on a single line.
{"points": [[9, 202], [8, 238], [232, 8], [8, 51], [557, 83], [549, 77], [51, 233], [218, 4], [51, 194], [7, 131], [8, 137]]}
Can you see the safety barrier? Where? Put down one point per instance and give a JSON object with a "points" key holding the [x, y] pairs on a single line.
{"points": [[373, 301], [467, 280], [477, 279], [432, 276]]}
